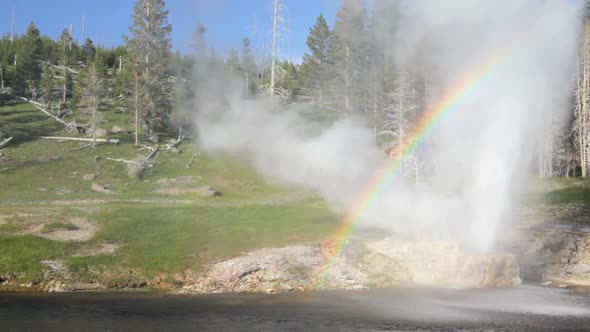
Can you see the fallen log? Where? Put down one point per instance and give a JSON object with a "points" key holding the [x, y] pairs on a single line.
{"points": [[173, 144], [139, 167], [190, 162], [60, 67], [99, 140], [4, 142], [69, 126]]}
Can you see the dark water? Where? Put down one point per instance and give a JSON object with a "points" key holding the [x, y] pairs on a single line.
{"points": [[518, 309]]}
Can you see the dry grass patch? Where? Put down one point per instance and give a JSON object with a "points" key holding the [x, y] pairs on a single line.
{"points": [[77, 229]]}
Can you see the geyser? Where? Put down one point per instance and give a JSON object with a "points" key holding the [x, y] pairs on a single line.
{"points": [[500, 72]]}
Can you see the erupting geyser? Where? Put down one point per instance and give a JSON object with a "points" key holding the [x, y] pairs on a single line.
{"points": [[500, 71]]}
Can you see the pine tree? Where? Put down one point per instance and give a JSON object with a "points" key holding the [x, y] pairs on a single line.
{"points": [[149, 45], [350, 33], [28, 70], [88, 51], [316, 69]]}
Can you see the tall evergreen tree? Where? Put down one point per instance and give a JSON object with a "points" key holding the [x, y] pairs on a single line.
{"points": [[149, 45], [88, 51], [350, 33], [28, 55], [316, 69]]}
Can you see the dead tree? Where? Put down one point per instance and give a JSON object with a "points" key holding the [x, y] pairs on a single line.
{"points": [[139, 167], [68, 126], [80, 139], [401, 107], [4, 142], [582, 104], [173, 144]]}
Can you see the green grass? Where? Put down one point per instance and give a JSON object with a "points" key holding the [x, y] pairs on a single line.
{"points": [[569, 191], [158, 238], [21, 255], [558, 191]]}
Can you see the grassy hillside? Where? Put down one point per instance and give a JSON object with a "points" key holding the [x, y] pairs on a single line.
{"points": [[158, 225]]}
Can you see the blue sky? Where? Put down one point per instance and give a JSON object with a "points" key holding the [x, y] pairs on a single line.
{"points": [[227, 21]]}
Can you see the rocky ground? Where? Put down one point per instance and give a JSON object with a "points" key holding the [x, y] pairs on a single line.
{"points": [[360, 265], [553, 247]]}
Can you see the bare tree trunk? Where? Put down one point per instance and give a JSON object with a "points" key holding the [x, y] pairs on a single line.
{"points": [[94, 125], [584, 105], [274, 47], [400, 122], [347, 78], [375, 119], [1, 76], [136, 110]]}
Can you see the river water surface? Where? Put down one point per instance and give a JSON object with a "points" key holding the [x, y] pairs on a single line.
{"points": [[525, 308]]}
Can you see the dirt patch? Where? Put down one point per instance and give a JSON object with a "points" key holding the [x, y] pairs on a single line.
{"points": [[14, 217], [84, 232], [177, 186], [98, 249]]}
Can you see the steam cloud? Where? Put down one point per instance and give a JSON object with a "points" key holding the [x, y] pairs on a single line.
{"points": [[482, 147]]}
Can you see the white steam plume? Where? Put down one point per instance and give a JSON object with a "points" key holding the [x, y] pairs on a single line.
{"points": [[481, 148]]}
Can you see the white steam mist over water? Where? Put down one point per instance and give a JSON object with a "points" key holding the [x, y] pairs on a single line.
{"points": [[480, 149]]}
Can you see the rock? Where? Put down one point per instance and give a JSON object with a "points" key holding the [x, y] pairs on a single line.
{"points": [[55, 286], [580, 268], [547, 283], [55, 265], [276, 269], [75, 173], [119, 130], [100, 189], [562, 286], [207, 191], [89, 177], [439, 263], [101, 132]]}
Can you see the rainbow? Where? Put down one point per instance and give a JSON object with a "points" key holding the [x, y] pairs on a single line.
{"points": [[423, 127]]}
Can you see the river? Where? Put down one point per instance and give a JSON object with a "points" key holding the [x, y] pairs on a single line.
{"points": [[527, 308]]}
